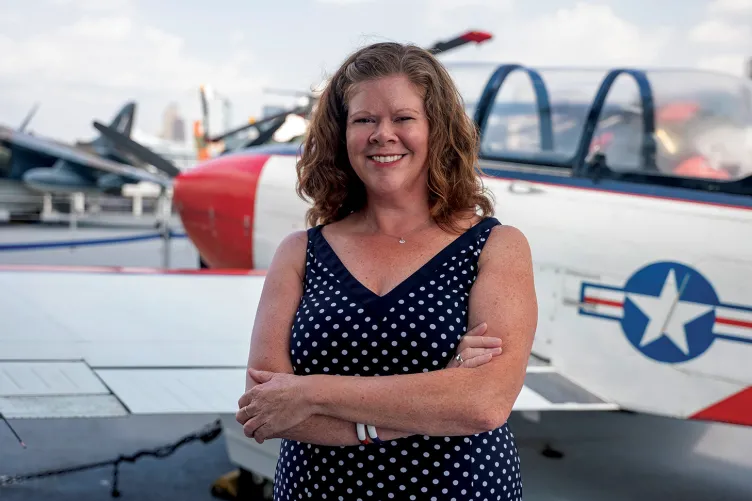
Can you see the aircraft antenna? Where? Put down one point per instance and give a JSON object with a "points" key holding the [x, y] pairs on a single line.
{"points": [[29, 116]]}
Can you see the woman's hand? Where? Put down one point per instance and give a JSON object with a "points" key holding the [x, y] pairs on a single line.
{"points": [[475, 349], [275, 404]]}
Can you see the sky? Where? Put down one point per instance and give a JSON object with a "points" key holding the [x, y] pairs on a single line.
{"points": [[83, 59]]}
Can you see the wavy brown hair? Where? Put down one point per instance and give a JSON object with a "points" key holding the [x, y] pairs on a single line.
{"points": [[325, 175]]}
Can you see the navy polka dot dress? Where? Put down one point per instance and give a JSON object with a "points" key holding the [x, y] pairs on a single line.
{"points": [[342, 328]]}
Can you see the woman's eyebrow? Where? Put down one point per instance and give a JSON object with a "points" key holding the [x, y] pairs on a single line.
{"points": [[367, 112], [401, 110], [359, 112]]}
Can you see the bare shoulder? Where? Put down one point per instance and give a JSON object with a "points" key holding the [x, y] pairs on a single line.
{"points": [[506, 246], [295, 242], [290, 254], [504, 294]]}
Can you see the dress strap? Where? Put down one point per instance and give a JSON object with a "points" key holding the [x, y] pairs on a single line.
{"points": [[480, 233], [486, 225], [312, 233]]}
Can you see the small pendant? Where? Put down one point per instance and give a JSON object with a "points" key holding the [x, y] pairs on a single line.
{"points": [[402, 240]]}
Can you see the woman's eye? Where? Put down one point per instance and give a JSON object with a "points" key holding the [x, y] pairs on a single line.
{"points": [[370, 120]]}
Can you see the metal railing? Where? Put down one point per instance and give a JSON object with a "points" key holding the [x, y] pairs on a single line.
{"points": [[133, 205], [153, 215]]}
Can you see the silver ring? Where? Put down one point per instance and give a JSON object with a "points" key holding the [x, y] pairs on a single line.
{"points": [[245, 409], [458, 358]]}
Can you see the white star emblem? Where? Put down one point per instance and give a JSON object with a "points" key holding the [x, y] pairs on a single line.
{"points": [[667, 315]]}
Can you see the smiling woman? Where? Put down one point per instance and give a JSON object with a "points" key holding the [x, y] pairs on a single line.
{"points": [[362, 357]]}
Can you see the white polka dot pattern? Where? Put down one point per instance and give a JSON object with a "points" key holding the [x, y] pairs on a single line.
{"points": [[343, 328]]}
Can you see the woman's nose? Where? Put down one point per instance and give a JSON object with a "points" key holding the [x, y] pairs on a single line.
{"points": [[384, 133]]}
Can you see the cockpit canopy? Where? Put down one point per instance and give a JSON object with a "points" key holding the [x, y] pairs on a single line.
{"points": [[680, 122]]}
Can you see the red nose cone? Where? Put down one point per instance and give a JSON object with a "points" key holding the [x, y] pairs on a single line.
{"points": [[216, 205]]}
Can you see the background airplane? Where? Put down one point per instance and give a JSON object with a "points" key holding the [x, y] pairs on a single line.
{"points": [[35, 165]]}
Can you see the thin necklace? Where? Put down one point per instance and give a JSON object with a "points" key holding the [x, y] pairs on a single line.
{"points": [[401, 239]]}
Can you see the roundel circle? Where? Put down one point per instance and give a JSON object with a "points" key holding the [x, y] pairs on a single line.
{"points": [[669, 312]]}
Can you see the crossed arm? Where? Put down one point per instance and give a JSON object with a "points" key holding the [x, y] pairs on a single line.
{"points": [[321, 409]]}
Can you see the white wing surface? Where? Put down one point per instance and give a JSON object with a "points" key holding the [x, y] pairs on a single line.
{"points": [[111, 341]]}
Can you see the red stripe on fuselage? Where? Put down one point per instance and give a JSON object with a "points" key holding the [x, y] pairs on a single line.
{"points": [[719, 320], [605, 302], [735, 323]]}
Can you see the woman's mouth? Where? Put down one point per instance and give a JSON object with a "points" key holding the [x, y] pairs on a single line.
{"points": [[385, 159]]}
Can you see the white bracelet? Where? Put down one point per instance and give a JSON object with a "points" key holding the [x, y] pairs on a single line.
{"points": [[360, 429], [372, 433]]}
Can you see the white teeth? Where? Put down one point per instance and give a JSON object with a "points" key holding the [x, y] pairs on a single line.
{"points": [[385, 160]]}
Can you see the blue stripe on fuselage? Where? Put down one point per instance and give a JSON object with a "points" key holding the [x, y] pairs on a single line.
{"points": [[626, 188]]}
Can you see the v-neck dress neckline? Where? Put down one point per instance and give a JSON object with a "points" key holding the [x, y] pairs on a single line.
{"points": [[379, 303]]}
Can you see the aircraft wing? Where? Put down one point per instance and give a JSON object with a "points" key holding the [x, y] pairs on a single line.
{"points": [[74, 155], [94, 342]]}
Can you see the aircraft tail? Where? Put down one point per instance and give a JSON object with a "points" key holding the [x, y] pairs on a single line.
{"points": [[123, 121]]}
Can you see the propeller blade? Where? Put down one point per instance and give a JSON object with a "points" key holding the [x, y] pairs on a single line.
{"points": [[137, 150], [258, 123], [266, 135], [204, 111]]}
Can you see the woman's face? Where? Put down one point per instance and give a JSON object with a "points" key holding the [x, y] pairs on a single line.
{"points": [[387, 136]]}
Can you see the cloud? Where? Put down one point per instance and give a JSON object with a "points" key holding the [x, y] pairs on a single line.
{"points": [[115, 52], [731, 6], [450, 16], [455, 5], [717, 40], [93, 5], [90, 66], [720, 32], [343, 2], [584, 35]]}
